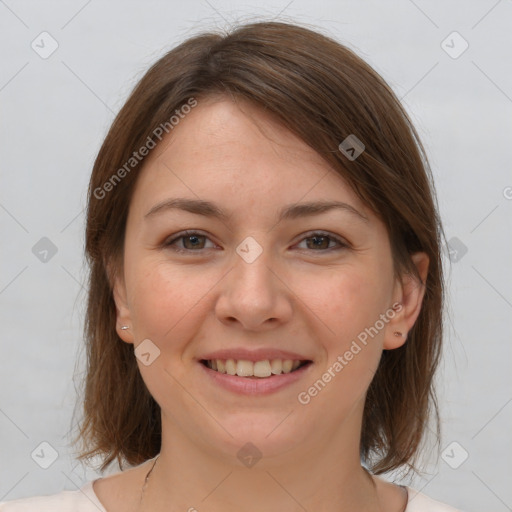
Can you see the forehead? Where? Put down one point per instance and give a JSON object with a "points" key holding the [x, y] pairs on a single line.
{"points": [[237, 153]]}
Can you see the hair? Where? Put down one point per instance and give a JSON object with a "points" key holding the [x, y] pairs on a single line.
{"points": [[322, 92]]}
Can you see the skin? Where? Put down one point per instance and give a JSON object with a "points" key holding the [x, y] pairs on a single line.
{"points": [[294, 296]]}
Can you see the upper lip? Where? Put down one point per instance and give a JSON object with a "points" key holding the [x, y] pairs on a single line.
{"points": [[253, 355]]}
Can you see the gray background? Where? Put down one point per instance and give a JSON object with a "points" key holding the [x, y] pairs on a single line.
{"points": [[56, 111]]}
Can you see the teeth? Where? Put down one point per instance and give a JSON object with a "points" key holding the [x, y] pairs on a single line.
{"points": [[244, 368]]}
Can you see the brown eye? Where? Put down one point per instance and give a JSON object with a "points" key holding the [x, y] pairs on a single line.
{"points": [[190, 241], [193, 241], [321, 242]]}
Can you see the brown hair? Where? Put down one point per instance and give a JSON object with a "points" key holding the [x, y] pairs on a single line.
{"points": [[322, 92]]}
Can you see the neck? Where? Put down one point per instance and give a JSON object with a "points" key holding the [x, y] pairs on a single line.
{"points": [[315, 475]]}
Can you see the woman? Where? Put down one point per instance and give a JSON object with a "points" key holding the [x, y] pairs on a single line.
{"points": [[265, 297]]}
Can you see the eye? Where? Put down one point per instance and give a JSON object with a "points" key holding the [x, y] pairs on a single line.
{"points": [[320, 242], [193, 241]]}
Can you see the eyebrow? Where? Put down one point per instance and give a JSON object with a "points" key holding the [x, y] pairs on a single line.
{"points": [[293, 211]]}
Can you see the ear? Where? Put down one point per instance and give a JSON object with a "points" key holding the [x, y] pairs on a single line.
{"points": [[409, 292], [123, 315]]}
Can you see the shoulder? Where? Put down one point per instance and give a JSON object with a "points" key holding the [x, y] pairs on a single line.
{"points": [[113, 493], [81, 500], [418, 502]]}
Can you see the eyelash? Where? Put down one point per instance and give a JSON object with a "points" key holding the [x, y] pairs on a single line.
{"points": [[169, 244]]}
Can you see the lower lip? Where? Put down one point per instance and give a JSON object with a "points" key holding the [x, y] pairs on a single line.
{"points": [[255, 386]]}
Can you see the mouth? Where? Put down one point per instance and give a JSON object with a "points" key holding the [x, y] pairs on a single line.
{"points": [[263, 369], [256, 378]]}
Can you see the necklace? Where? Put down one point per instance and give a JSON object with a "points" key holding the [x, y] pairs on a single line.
{"points": [[146, 482]]}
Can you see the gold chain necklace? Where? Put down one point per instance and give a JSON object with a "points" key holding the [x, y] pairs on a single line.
{"points": [[146, 483]]}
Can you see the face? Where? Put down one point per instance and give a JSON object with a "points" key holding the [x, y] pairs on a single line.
{"points": [[254, 281]]}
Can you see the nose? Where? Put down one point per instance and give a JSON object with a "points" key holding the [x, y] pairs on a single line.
{"points": [[254, 294]]}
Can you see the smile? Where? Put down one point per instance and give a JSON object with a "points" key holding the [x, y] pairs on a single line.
{"points": [[254, 378], [257, 369]]}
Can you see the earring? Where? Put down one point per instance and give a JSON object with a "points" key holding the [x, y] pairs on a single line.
{"points": [[398, 334], [124, 327]]}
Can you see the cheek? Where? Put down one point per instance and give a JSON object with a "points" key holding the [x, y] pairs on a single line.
{"points": [[165, 299], [352, 309], [348, 304], [168, 305], [347, 300]]}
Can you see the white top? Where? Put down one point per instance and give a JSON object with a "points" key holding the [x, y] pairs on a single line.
{"points": [[85, 500]]}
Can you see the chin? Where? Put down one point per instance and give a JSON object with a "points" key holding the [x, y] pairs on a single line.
{"points": [[271, 435]]}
